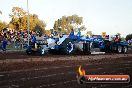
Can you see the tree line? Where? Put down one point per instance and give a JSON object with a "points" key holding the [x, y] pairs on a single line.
{"points": [[65, 24], [19, 22]]}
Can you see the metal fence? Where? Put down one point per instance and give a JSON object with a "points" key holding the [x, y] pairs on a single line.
{"points": [[15, 46]]}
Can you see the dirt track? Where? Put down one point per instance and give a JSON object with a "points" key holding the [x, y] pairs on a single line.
{"points": [[18, 70]]}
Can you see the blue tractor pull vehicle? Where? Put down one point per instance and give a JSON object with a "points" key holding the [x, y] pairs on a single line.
{"points": [[68, 44]]}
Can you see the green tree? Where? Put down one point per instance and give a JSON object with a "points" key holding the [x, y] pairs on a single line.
{"points": [[3, 25], [19, 21], [123, 38], [129, 36], [0, 12], [119, 34], [16, 17], [66, 23], [89, 33]]}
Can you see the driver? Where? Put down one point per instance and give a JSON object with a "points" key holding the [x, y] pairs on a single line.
{"points": [[117, 39]]}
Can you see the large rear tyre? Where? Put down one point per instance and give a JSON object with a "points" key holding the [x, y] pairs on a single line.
{"points": [[68, 47], [86, 48], [29, 50]]}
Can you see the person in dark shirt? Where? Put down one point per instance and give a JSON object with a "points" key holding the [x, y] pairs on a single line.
{"points": [[33, 40], [4, 44], [117, 39]]}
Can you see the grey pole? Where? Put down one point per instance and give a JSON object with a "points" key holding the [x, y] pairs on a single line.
{"points": [[28, 23]]}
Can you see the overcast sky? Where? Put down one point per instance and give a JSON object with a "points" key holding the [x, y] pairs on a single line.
{"points": [[110, 16]]}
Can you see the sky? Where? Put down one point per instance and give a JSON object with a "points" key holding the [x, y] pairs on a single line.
{"points": [[110, 16]]}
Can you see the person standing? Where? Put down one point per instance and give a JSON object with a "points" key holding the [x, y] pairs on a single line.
{"points": [[4, 44], [117, 39], [33, 40]]}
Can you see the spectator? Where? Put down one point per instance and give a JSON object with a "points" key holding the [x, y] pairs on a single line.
{"points": [[33, 40], [130, 42], [4, 44]]}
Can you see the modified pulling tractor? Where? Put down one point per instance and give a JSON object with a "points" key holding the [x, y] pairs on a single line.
{"points": [[65, 44]]}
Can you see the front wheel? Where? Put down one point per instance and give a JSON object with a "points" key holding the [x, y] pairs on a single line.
{"points": [[119, 49], [29, 52], [41, 51], [68, 48]]}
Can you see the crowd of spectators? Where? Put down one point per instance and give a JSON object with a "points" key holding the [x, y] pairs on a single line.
{"points": [[16, 39]]}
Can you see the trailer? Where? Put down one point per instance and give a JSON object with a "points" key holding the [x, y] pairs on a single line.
{"points": [[115, 47]]}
